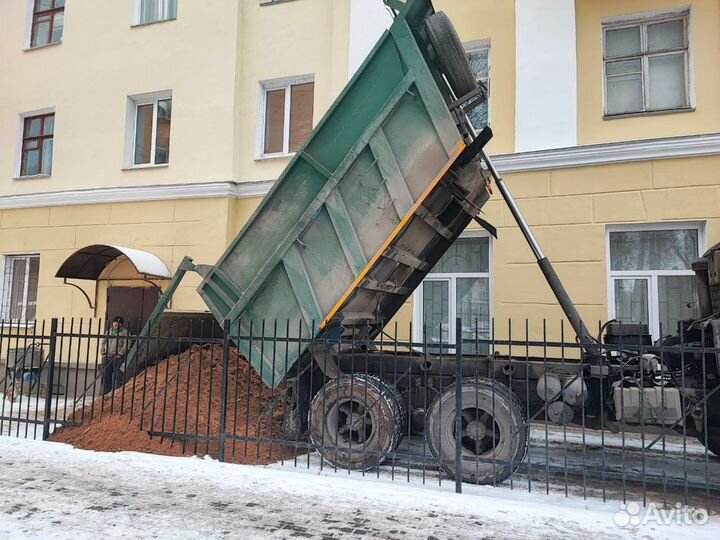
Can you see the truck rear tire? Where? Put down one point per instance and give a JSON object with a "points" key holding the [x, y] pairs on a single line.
{"points": [[494, 431], [450, 53], [356, 421]]}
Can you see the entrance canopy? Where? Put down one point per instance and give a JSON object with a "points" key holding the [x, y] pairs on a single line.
{"points": [[89, 262]]}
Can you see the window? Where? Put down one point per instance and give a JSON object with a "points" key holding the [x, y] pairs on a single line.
{"points": [[20, 287], [149, 129], [651, 280], [287, 116], [37, 144], [646, 65], [457, 286], [47, 22], [150, 11], [478, 55]]}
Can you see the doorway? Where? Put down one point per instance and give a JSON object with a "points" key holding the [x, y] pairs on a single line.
{"points": [[133, 304]]}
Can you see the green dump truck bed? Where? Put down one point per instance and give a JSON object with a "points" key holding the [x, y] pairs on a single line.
{"points": [[382, 187]]}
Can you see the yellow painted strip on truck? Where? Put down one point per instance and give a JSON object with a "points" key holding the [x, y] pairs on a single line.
{"points": [[445, 168]]}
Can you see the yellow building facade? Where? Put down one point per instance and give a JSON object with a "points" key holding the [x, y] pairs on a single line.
{"points": [[170, 119]]}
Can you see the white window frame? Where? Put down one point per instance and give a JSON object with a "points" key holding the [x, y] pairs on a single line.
{"points": [[137, 14], [6, 285], [642, 21], [19, 142], [650, 275], [133, 103], [452, 277], [481, 45], [265, 87]]}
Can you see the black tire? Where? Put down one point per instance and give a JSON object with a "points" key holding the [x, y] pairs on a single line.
{"points": [[355, 420], [450, 53], [713, 436], [489, 455]]}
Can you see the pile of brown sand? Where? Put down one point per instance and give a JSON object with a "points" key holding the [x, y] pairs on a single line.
{"points": [[173, 408]]}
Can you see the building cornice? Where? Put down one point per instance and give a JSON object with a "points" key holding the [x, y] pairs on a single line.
{"points": [[126, 194], [603, 154], [579, 156]]}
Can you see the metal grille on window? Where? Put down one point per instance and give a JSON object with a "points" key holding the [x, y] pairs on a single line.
{"points": [[20, 284]]}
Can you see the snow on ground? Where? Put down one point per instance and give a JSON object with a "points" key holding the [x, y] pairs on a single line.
{"points": [[23, 417], [53, 490]]}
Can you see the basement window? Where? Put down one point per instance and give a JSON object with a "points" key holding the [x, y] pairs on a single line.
{"points": [[20, 288]]}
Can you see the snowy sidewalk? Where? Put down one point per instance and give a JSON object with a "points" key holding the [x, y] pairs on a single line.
{"points": [[51, 490]]}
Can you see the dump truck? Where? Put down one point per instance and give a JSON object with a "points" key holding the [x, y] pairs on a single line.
{"points": [[385, 183]]}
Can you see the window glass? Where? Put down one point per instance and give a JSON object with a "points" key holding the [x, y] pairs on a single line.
{"points": [[667, 81], [143, 134], [274, 121], [480, 64], [32, 289], [47, 152], [624, 94], [157, 10], [465, 255], [459, 286], [436, 314], [47, 23], [653, 250], [677, 301], [162, 145], [20, 284], [58, 25], [648, 82], [631, 301], [622, 41], [666, 35], [301, 114], [473, 307]]}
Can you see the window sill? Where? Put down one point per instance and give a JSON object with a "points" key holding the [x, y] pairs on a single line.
{"points": [[648, 113], [268, 157], [32, 177], [142, 167], [273, 2], [53, 44], [18, 324], [139, 25]]}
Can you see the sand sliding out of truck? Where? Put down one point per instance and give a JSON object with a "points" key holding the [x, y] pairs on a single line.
{"points": [[386, 182]]}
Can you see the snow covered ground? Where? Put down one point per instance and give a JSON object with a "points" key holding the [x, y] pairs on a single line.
{"points": [[24, 416], [51, 490]]}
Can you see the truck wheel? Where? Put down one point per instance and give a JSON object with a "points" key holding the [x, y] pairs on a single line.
{"points": [[450, 53], [494, 433], [355, 421]]}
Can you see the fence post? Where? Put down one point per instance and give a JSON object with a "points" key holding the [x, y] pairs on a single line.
{"points": [[223, 388], [458, 404], [50, 379]]}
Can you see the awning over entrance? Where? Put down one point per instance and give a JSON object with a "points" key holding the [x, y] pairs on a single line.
{"points": [[89, 262]]}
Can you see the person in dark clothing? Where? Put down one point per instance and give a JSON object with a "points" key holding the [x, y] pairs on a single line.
{"points": [[114, 349]]}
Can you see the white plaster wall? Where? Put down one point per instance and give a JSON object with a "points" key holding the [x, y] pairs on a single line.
{"points": [[368, 20], [546, 79]]}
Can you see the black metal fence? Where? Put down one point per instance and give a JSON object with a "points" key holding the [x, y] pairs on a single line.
{"points": [[623, 419]]}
